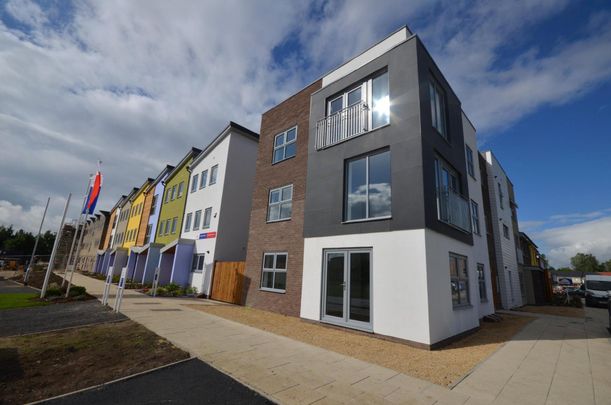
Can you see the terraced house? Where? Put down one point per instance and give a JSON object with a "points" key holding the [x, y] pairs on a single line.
{"points": [[134, 226], [103, 257], [93, 241], [171, 216]]}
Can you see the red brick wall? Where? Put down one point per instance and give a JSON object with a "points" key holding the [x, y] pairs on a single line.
{"points": [[286, 236]]}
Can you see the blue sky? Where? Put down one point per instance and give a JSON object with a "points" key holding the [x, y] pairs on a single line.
{"points": [[152, 79]]}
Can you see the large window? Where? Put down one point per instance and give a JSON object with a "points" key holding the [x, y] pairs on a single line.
{"points": [[197, 219], [367, 192], [188, 222], [280, 204], [194, 183], [285, 145], [167, 227], [174, 223], [198, 263], [204, 179], [161, 227], [273, 276], [207, 217], [173, 193], [459, 280], [481, 281], [452, 207], [154, 204], [470, 164], [380, 101], [475, 217], [438, 107], [213, 174]]}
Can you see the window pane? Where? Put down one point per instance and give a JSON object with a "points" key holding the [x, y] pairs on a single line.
{"points": [[268, 262], [334, 299], [287, 193], [286, 210], [336, 105], [453, 267], [379, 185], [274, 212], [462, 268], [281, 262], [278, 155], [194, 183], [354, 96], [204, 179], [274, 196], [356, 190], [279, 140], [359, 287], [381, 101], [280, 280], [455, 294], [289, 150], [267, 280], [291, 134], [464, 291]]}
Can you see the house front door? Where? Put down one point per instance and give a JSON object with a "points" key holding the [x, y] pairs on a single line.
{"points": [[347, 288]]}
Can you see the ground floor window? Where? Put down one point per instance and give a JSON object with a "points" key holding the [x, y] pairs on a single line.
{"points": [[481, 280], [273, 276], [459, 280], [198, 263]]}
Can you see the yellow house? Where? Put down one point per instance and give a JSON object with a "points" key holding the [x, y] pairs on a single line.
{"points": [[135, 215]]}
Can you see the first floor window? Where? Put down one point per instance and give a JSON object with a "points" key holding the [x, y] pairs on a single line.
{"points": [[181, 186], [154, 204], [280, 203], [148, 233], [459, 280], [438, 107], [475, 217], [481, 280], [213, 174], [368, 191], [197, 219], [285, 145], [273, 276], [174, 221], [207, 217], [173, 194], [198, 262], [188, 222], [203, 179], [167, 227], [194, 181]]}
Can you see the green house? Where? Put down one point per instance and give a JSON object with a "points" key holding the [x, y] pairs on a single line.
{"points": [[174, 200]]}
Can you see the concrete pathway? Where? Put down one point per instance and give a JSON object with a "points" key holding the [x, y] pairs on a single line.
{"points": [[546, 363]]}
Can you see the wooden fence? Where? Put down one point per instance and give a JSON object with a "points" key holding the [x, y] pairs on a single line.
{"points": [[227, 282]]}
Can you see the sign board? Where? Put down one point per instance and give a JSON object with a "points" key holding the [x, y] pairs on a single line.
{"points": [[107, 284], [120, 289], [156, 280], [207, 235]]}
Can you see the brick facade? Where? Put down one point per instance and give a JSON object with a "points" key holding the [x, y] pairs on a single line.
{"points": [[286, 236], [144, 219]]}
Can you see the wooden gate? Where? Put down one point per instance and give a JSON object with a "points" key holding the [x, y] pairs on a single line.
{"points": [[227, 282]]}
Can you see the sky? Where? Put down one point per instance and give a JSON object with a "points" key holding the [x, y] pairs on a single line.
{"points": [[135, 84]]}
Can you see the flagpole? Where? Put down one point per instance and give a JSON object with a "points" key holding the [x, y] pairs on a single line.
{"points": [[43, 292], [27, 272], [77, 252], [78, 224]]}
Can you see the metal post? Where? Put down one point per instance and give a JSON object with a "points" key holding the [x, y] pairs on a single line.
{"points": [[27, 272], [109, 275], [78, 224], [76, 257], [120, 289], [43, 292]]}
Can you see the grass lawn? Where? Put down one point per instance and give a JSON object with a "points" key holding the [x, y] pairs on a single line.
{"points": [[443, 366], [40, 366], [20, 300]]}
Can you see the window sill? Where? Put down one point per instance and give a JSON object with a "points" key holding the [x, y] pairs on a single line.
{"points": [[272, 290], [277, 220], [356, 221], [461, 307]]}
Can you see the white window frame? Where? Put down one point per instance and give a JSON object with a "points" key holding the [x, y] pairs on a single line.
{"points": [[188, 222], [174, 223], [203, 179], [207, 215], [273, 270], [475, 223], [154, 204], [197, 217], [214, 173], [161, 227], [194, 182], [173, 196], [181, 188], [284, 145], [167, 227], [279, 203], [147, 235]]}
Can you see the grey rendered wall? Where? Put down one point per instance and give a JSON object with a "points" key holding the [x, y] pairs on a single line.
{"points": [[325, 181]]}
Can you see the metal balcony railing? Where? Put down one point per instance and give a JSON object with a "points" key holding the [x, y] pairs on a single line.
{"points": [[344, 124], [454, 209]]}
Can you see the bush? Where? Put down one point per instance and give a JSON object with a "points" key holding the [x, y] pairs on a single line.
{"points": [[77, 291], [191, 291]]}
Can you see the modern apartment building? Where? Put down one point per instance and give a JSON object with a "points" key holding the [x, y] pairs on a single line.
{"points": [[93, 240], [218, 204], [103, 257], [274, 261], [503, 228]]}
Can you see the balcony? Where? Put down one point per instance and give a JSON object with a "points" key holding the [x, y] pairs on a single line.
{"points": [[454, 209], [348, 123]]}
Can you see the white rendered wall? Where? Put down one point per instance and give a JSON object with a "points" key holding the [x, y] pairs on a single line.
{"points": [[507, 261], [480, 242], [399, 295]]}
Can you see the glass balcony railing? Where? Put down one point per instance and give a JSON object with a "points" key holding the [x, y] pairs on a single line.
{"points": [[344, 124], [454, 209]]}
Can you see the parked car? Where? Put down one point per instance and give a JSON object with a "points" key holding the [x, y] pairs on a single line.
{"points": [[597, 290], [578, 291]]}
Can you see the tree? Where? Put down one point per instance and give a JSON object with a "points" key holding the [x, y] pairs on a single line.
{"points": [[565, 269], [21, 243], [606, 266], [585, 263], [6, 233]]}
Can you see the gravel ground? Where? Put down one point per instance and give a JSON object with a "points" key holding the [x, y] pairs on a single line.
{"points": [[190, 382], [443, 366], [56, 316]]}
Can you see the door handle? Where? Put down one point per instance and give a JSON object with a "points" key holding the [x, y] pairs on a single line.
{"points": [[343, 285]]}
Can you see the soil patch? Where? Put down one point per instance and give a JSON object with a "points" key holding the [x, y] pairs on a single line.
{"points": [[443, 366], [41, 366], [554, 310]]}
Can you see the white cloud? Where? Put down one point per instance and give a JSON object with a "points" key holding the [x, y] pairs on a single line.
{"points": [[27, 219], [563, 242]]}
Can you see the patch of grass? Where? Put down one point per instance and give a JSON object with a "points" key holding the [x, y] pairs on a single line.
{"points": [[20, 300]]}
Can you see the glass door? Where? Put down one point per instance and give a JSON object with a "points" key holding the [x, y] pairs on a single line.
{"points": [[347, 288]]}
